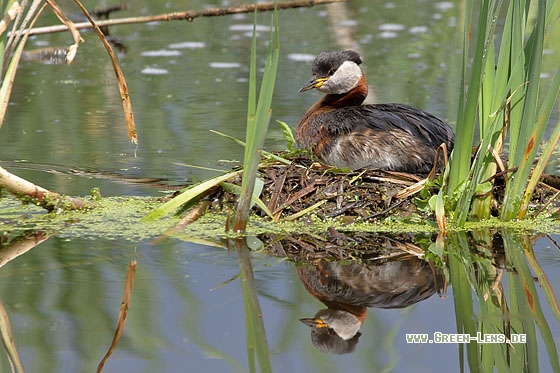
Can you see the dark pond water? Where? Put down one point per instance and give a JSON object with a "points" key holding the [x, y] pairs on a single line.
{"points": [[187, 310]]}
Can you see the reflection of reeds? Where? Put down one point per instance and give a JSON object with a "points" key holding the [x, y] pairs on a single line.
{"points": [[516, 310], [8, 341], [504, 89], [254, 326], [525, 301], [123, 312], [20, 245]]}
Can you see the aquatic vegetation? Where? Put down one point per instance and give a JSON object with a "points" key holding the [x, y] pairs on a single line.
{"points": [[502, 92], [258, 117]]}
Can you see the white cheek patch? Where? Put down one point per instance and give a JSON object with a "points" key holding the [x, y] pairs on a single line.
{"points": [[345, 78]]}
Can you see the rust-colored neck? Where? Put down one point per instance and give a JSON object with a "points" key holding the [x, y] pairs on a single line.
{"points": [[308, 133], [353, 98]]}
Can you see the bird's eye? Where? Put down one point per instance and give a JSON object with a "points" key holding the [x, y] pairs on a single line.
{"points": [[331, 71]]}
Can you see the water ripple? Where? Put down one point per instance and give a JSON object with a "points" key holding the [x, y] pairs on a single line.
{"points": [[154, 71], [187, 45], [161, 53], [224, 65]]}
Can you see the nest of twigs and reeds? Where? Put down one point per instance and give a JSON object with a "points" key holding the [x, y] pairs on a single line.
{"points": [[304, 188], [307, 192]]}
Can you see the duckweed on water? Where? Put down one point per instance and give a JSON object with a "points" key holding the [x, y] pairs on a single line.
{"points": [[120, 218], [110, 218]]}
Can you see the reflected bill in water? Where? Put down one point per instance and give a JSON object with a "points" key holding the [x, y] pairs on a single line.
{"points": [[370, 270], [348, 289]]}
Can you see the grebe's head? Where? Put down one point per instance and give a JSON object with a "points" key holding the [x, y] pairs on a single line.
{"points": [[335, 72]]}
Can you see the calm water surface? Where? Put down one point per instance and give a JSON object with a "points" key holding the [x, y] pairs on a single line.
{"points": [[186, 314]]}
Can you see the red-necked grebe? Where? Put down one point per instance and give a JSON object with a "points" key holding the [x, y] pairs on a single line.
{"points": [[342, 132]]}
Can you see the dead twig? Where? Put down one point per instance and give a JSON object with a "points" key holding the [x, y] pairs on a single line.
{"points": [[500, 174], [9, 17], [196, 212], [276, 191], [188, 15], [300, 194]]}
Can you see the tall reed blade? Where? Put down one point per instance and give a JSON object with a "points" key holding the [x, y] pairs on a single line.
{"points": [[543, 117], [504, 88], [258, 117], [460, 162], [123, 87], [530, 131], [12, 61], [460, 171]]}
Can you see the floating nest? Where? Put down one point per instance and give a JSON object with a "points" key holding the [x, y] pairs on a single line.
{"points": [[304, 188], [306, 191]]}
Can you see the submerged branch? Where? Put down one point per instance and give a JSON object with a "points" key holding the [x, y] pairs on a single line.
{"points": [[188, 15], [29, 192]]}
